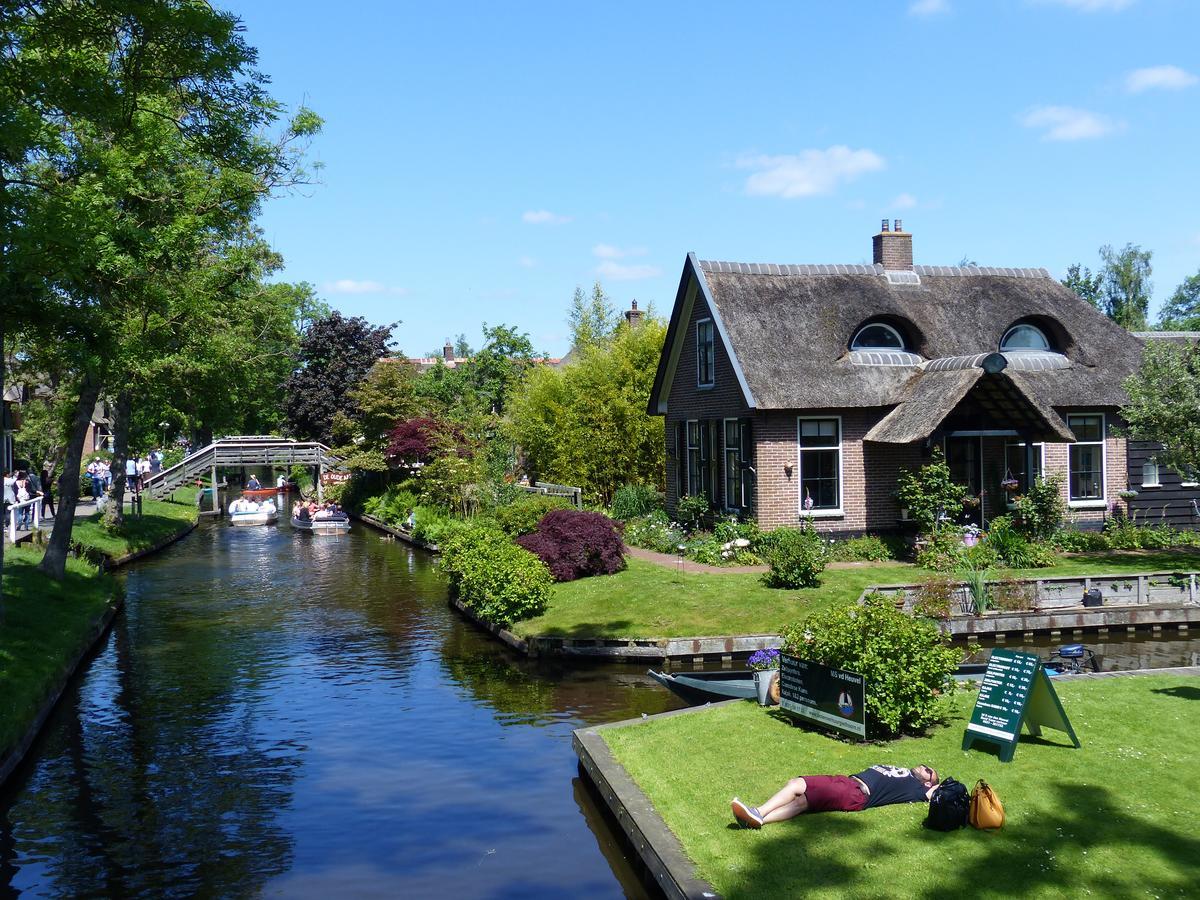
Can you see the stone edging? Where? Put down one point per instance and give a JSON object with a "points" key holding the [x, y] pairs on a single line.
{"points": [[394, 532], [655, 844], [13, 759], [496, 631], [119, 561]]}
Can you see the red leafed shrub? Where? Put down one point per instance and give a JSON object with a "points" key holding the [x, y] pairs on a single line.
{"points": [[576, 544], [419, 440]]}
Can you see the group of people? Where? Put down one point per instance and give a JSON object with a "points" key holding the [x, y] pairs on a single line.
{"points": [[22, 485], [250, 505], [312, 510], [136, 469]]}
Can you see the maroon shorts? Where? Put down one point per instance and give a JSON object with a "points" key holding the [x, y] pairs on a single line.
{"points": [[833, 793]]}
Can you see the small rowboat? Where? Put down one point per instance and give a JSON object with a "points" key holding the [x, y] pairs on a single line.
{"points": [[696, 688], [260, 492]]}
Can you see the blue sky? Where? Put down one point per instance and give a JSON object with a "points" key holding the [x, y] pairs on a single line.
{"points": [[481, 160]]}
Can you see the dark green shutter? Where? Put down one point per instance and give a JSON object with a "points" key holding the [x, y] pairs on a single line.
{"points": [[746, 458], [681, 461]]}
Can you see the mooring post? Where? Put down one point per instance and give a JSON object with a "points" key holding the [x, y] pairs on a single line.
{"points": [[215, 506], [320, 473]]}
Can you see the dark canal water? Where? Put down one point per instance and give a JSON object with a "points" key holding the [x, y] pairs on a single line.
{"points": [[287, 714]]}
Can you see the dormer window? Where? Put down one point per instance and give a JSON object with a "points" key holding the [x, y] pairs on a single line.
{"points": [[1024, 338], [877, 336]]}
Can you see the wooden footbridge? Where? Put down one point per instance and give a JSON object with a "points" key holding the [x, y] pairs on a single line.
{"points": [[238, 452]]}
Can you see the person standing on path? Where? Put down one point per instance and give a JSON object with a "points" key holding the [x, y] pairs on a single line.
{"points": [[21, 488], [93, 472], [47, 491], [131, 473]]}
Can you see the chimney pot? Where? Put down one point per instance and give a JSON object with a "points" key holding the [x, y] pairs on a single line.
{"points": [[897, 226], [884, 226]]}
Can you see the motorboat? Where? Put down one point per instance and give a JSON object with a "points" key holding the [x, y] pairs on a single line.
{"points": [[324, 522], [260, 516]]}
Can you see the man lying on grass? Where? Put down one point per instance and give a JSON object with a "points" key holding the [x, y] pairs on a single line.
{"points": [[876, 786]]}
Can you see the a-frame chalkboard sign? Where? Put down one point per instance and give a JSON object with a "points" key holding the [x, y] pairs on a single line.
{"points": [[1016, 691]]}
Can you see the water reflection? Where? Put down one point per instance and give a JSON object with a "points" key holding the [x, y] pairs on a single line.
{"points": [[278, 712]]}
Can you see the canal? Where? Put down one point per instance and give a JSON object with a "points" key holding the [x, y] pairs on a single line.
{"points": [[283, 713]]}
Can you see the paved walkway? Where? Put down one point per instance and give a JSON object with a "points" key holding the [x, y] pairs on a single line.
{"points": [[668, 561], [83, 509]]}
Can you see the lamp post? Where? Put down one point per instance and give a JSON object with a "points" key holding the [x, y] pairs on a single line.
{"points": [[163, 426]]}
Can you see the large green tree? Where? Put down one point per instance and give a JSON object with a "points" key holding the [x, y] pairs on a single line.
{"points": [[1164, 403], [591, 318], [1127, 287], [586, 424], [1182, 311], [1080, 279]]}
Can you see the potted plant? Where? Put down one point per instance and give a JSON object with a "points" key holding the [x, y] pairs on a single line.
{"points": [[765, 666]]}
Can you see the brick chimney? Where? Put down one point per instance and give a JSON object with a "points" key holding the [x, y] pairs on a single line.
{"points": [[892, 248], [633, 316], [448, 351]]}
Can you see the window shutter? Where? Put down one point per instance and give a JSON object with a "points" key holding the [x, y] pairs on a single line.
{"points": [[746, 458], [681, 462], [714, 461]]}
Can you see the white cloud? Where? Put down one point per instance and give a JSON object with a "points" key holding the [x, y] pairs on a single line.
{"points": [[928, 7], [903, 201], [1065, 123], [355, 286], [622, 272], [608, 251], [807, 173], [1167, 78], [1093, 5], [543, 217], [526, 262]]}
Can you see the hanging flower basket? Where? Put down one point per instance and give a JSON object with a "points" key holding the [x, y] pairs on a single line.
{"points": [[1010, 485]]}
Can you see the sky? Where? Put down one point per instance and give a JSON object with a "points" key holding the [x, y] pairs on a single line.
{"points": [[480, 161]]}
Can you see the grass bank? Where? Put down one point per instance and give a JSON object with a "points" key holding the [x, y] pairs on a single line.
{"points": [[648, 600], [160, 520], [1111, 819], [46, 623]]}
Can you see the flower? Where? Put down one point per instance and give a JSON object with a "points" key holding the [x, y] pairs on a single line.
{"points": [[762, 660]]}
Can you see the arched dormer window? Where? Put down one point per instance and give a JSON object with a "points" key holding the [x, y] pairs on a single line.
{"points": [[877, 336], [1024, 337]]}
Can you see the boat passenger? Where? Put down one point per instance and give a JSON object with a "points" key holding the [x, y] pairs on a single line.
{"points": [[253, 484], [303, 514], [267, 507]]}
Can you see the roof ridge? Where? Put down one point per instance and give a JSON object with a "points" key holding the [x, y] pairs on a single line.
{"points": [[783, 269]]}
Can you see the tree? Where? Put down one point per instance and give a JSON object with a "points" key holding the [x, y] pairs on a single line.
{"points": [[462, 347], [1182, 311], [386, 397], [587, 424], [1164, 404], [1088, 286], [592, 320], [336, 353], [493, 372], [1126, 285]]}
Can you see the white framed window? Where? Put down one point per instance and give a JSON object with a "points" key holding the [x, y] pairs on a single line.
{"points": [[1150, 473], [819, 442], [1024, 337], [1014, 462], [1086, 460], [695, 466], [706, 354], [877, 336]]}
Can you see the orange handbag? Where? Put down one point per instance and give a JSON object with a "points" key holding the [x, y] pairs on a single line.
{"points": [[987, 812]]}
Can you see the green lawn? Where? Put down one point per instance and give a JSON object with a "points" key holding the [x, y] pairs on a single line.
{"points": [[1113, 819], [44, 626], [160, 520], [648, 600]]}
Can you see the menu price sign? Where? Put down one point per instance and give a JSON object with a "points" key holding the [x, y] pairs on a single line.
{"points": [[830, 697], [1015, 691]]}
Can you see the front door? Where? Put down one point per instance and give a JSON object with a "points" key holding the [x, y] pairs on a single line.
{"points": [[964, 456]]}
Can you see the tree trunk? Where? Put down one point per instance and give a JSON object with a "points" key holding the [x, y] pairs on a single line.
{"points": [[54, 563], [124, 408]]}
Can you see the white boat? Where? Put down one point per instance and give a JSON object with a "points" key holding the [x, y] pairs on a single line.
{"points": [[323, 523], [254, 517]]}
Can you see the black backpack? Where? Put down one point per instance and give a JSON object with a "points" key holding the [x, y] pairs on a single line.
{"points": [[949, 807]]}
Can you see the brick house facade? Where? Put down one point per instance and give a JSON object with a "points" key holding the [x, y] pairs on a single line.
{"points": [[776, 406]]}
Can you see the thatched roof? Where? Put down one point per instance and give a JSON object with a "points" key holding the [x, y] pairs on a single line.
{"points": [[788, 330]]}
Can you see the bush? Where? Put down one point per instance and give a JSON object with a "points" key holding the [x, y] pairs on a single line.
{"points": [[575, 544], [634, 500], [930, 493], [692, 510], [978, 589], [937, 597], [906, 662], [1013, 549], [432, 525], [868, 548], [522, 516], [797, 558], [391, 507], [942, 551], [1070, 541], [654, 532], [1039, 514], [496, 579], [1122, 534]]}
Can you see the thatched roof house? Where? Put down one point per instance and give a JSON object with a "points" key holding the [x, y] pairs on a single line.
{"points": [[891, 355]]}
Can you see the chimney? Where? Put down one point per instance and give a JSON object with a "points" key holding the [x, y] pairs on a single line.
{"points": [[448, 351], [892, 249], [633, 316]]}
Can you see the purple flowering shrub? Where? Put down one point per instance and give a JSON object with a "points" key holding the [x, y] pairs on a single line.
{"points": [[761, 660], [575, 544]]}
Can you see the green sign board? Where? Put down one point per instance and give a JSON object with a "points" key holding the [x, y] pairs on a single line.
{"points": [[830, 697], [1015, 691]]}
